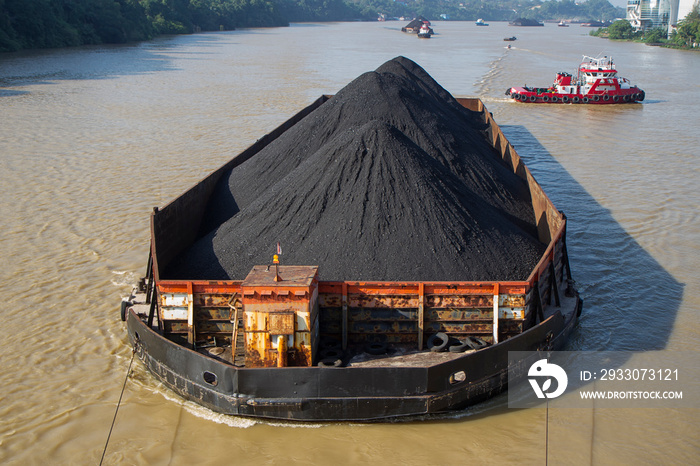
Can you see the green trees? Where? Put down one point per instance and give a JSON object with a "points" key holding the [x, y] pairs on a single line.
{"points": [[688, 29], [27, 24], [621, 29], [59, 23], [686, 34]]}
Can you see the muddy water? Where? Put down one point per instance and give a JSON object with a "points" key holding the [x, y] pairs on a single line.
{"points": [[91, 139]]}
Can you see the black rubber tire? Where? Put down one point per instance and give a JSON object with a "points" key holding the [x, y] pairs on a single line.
{"points": [[438, 342], [459, 347], [606, 97], [376, 347], [585, 100], [330, 362], [331, 353], [125, 305], [329, 343], [477, 343], [575, 100], [533, 98], [554, 99], [545, 99], [565, 99]]}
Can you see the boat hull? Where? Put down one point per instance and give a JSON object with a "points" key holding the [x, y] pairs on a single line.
{"points": [[546, 96], [343, 393]]}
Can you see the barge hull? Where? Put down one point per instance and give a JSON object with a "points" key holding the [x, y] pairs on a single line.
{"points": [[342, 394], [505, 316]]}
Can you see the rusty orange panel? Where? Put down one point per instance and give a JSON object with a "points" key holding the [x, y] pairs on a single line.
{"points": [[330, 287], [281, 323], [383, 327], [466, 301], [512, 300], [452, 328], [255, 321], [330, 300], [171, 326], [383, 288], [389, 288], [274, 300], [452, 314], [203, 313], [459, 288], [391, 301], [211, 300], [382, 313], [225, 288], [514, 288], [199, 286], [205, 327], [172, 287]]}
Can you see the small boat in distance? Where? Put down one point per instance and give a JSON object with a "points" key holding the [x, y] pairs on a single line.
{"points": [[480, 22], [562, 24], [414, 26], [510, 39], [596, 82], [425, 32]]}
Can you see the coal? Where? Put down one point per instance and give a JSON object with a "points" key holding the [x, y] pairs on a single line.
{"points": [[389, 180]]}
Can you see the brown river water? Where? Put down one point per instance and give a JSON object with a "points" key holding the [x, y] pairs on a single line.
{"points": [[92, 138]]}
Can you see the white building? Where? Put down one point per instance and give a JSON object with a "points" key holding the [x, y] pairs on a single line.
{"points": [[649, 14]]}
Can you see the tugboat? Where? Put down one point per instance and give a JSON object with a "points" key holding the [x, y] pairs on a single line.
{"points": [[425, 32], [480, 22], [596, 82]]}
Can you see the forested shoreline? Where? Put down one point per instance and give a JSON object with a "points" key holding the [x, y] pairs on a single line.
{"points": [[37, 24]]}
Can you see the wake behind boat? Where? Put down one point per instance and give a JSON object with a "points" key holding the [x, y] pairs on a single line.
{"points": [[596, 82]]}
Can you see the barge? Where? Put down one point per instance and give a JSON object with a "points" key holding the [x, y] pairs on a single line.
{"points": [[282, 343]]}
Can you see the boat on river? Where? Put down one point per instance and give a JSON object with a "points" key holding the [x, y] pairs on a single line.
{"points": [[481, 22], [596, 82], [425, 32], [282, 343]]}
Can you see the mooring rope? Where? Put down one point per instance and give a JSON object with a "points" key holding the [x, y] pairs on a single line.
{"points": [[546, 434], [546, 425], [128, 371]]}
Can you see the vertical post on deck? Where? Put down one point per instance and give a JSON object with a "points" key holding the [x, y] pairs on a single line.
{"points": [[421, 314], [495, 312], [344, 317], [190, 315]]}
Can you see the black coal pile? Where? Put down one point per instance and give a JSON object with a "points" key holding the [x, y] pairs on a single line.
{"points": [[391, 179]]}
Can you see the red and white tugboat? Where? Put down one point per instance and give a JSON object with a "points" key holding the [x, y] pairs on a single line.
{"points": [[425, 31], [596, 82]]}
